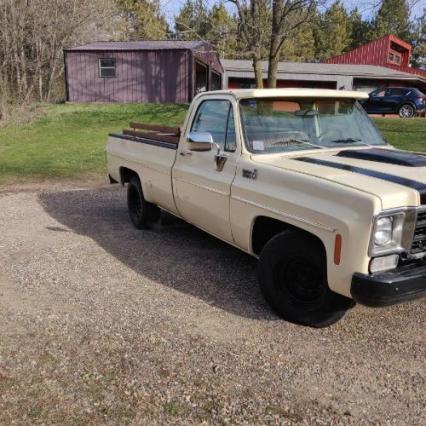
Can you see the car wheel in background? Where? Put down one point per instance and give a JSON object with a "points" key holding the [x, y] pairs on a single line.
{"points": [[142, 213], [406, 111], [292, 273]]}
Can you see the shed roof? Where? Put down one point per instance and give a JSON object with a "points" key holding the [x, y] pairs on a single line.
{"points": [[244, 68], [141, 45]]}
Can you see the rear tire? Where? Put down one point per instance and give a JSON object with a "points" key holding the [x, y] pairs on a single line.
{"points": [[142, 213], [292, 273], [406, 111]]}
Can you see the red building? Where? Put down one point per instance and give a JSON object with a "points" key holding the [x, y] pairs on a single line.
{"points": [[384, 62], [388, 51]]}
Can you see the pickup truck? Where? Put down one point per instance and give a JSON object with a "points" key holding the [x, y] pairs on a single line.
{"points": [[300, 179]]}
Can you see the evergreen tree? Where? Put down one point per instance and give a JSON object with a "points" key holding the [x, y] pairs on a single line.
{"points": [[419, 42], [192, 22], [333, 35], [301, 46], [222, 33], [393, 17], [361, 31], [141, 20]]}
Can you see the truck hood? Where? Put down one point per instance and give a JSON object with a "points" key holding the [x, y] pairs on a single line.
{"points": [[397, 177]]}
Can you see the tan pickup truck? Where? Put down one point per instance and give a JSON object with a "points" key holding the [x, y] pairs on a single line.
{"points": [[299, 178]]}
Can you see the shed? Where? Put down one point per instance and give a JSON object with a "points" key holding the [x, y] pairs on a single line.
{"points": [[166, 71]]}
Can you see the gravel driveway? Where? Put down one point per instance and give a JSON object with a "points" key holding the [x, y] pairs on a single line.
{"points": [[104, 324]]}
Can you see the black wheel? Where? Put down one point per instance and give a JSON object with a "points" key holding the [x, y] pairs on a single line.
{"points": [[292, 274], [142, 213], [406, 111]]}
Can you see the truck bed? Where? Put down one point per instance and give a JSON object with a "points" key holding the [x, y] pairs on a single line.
{"points": [[152, 134]]}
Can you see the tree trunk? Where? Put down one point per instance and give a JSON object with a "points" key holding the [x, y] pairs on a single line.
{"points": [[274, 47], [258, 72], [272, 72], [40, 85]]}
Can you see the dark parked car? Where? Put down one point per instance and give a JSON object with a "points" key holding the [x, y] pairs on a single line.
{"points": [[404, 101]]}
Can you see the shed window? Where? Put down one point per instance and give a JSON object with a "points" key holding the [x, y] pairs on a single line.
{"points": [[107, 67]]}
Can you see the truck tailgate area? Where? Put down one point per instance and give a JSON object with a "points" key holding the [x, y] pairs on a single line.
{"points": [[151, 154]]}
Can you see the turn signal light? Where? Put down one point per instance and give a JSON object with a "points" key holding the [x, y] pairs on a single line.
{"points": [[337, 249], [385, 263]]}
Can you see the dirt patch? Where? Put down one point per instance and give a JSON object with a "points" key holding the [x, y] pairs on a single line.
{"points": [[101, 323]]}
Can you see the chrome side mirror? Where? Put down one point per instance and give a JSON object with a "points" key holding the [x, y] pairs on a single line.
{"points": [[200, 141]]}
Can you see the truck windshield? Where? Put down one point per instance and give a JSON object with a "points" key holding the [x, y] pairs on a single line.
{"points": [[283, 125]]}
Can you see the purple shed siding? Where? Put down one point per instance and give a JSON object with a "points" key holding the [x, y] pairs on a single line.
{"points": [[141, 76]]}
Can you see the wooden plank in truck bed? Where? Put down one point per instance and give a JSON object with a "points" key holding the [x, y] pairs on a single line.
{"points": [[153, 135], [156, 128], [150, 141]]}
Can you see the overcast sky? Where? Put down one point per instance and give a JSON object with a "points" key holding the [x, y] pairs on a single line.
{"points": [[366, 7]]}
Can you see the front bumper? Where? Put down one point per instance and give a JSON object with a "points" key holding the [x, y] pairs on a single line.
{"points": [[388, 288]]}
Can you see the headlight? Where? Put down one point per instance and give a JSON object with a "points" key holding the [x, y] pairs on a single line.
{"points": [[387, 234], [383, 231]]}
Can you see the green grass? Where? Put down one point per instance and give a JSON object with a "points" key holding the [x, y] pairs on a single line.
{"points": [[408, 134], [68, 141]]}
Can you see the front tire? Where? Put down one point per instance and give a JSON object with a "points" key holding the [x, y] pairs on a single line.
{"points": [[406, 111], [292, 274], [142, 213]]}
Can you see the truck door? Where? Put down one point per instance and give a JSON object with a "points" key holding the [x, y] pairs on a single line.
{"points": [[201, 183]]}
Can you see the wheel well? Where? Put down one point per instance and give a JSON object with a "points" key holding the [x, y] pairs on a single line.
{"points": [[265, 228], [407, 103], [126, 174]]}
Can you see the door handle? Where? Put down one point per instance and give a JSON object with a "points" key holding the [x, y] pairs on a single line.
{"points": [[185, 153], [220, 160]]}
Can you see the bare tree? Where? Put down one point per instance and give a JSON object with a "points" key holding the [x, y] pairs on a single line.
{"points": [[33, 34], [254, 28], [287, 16], [264, 27]]}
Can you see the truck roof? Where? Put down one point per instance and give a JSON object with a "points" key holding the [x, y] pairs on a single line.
{"points": [[291, 93]]}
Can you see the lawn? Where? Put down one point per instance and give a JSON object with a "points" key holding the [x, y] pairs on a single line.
{"points": [[68, 141], [408, 134]]}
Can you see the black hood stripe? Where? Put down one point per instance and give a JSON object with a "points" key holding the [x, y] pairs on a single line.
{"points": [[413, 184], [389, 156]]}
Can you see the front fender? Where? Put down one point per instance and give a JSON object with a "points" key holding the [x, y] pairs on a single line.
{"points": [[319, 207]]}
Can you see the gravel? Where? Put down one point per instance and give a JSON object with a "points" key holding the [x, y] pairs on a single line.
{"points": [[104, 324]]}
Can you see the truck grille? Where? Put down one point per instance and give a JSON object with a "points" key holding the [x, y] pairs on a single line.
{"points": [[419, 241]]}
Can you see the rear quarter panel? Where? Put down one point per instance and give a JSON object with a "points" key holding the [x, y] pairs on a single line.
{"points": [[153, 164]]}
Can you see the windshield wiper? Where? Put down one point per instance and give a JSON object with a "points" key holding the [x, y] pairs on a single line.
{"points": [[296, 141], [349, 140]]}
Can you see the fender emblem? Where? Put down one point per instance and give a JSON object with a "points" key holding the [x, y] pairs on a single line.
{"points": [[250, 174]]}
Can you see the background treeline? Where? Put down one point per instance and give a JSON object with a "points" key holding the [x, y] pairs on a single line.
{"points": [[330, 30], [33, 33]]}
